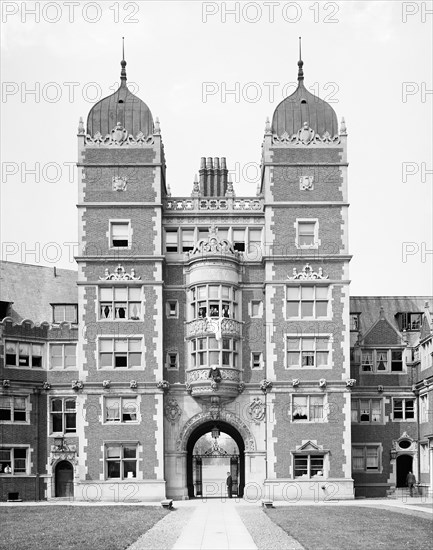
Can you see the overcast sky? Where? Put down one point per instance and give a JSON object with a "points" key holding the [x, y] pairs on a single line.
{"points": [[370, 60]]}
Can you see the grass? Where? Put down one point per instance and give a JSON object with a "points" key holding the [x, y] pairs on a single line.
{"points": [[75, 527], [354, 528]]}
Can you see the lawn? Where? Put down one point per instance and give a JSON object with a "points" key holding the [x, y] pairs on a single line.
{"points": [[75, 527], [355, 528]]}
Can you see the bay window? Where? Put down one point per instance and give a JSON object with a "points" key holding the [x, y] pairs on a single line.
{"points": [[209, 351]]}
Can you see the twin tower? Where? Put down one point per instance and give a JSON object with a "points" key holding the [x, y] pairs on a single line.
{"points": [[213, 312]]}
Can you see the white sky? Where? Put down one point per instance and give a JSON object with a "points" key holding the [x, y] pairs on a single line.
{"points": [[361, 62]]}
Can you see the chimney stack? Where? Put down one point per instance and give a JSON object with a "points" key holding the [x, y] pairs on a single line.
{"points": [[213, 177]]}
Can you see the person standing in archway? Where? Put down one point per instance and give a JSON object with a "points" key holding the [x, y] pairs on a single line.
{"points": [[229, 483], [410, 481]]}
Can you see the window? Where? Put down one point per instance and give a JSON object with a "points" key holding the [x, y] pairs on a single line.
{"points": [[13, 460], [239, 240], [308, 352], [403, 409], [306, 234], [256, 360], [63, 415], [213, 301], [171, 240], [382, 360], [120, 302], [63, 356], [121, 460], [172, 309], [423, 458], [256, 308], [307, 301], [410, 321], [187, 240], [13, 408], [366, 458], [210, 351], [65, 312], [120, 409], [119, 352], [367, 411], [308, 465], [172, 362], [354, 321], [20, 354], [307, 408], [254, 244], [119, 234], [424, 412]]}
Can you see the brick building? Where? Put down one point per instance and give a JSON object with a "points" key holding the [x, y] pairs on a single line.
{"points": [[210, 313]]}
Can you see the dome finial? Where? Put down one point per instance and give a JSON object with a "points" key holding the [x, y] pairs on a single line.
{"points": [[300, 64], [123, 65]]}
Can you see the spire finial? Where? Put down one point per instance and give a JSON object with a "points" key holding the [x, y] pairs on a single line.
{"points": [[123, 65], [300, 64]]}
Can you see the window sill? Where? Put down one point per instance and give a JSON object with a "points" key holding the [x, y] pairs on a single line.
{"points": [[404, 420], [15, 422]]}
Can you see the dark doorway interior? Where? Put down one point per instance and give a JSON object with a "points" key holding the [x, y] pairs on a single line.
{"points": [[64, 479], [404, 465], [206, 428]]}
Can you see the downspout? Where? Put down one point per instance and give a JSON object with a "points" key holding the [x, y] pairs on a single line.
{"points": [[37, 393]]}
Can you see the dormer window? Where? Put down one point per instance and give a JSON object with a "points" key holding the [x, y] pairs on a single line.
{"points": [[65, 312], [409, 321]]}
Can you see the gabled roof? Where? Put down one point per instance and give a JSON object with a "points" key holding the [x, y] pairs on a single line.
{"points": [[427, 324], [381, 333], [32, 288]]}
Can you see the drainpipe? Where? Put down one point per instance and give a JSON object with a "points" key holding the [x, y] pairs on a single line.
{"points": [[37, 393]]}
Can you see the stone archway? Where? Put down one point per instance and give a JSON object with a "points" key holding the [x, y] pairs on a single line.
{"points": [[64, 479]]}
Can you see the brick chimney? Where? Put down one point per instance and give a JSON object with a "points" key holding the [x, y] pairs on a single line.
{"points": [[213, 177]]}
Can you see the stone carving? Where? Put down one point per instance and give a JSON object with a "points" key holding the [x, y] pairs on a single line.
{"points": [[63, 452], [106, 384], [172, 410], [295, 382], [119, 274], [322, 383], [163, 385], [81, 126], [305, 136], [306, 183], [214, 408], [119, 136], [213, 245], [350, 382], [203, 374], [307, 273], [230, 191], [213, 204], [268, 130], [119, 183], [241, 387], [223, 325], [266, 386], [343, 129], [77, 385], [46, 386], [6, 383], [156, 127], [195, 188], [188, 387], [256, 410], [133, 384]]}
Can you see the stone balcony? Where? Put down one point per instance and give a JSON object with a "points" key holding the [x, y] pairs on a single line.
{"points": [[200, 384], [183, 204], [213, 325]]}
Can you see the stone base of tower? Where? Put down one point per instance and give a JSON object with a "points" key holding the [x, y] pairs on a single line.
{"points": [[292, 491], [126, 492]]}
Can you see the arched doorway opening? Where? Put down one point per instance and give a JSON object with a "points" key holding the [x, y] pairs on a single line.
{"points": [[225, 428], [404, 466], [64, 479]]}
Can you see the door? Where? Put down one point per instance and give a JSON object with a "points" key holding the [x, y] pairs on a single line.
{"points": [[64, 479], [404, 466], [234, 471]]}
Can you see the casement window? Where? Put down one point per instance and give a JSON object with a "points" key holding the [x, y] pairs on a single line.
{"points": [[256, 360], [424, 410], [308, 352], [209, 351], [172, 360], [382, 360], [366, 458], [23, 354], [308, 465], [306, 234], [254, 244], [121, 460], [121, 410], [65, 312], [367, 411], [63, 415], [187, 239], [120, 352], [213, 301], [120, 234], [307, 301], [409, 321], [172, 309], [63, 356], [403, 409], [13, 408], [354, 322], [307, 408], [120, 302], [238, 239], [14, 460], [171, 240]]}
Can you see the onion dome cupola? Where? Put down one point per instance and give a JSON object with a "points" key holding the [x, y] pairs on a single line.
{"points": [[303, 106], [121, 107]]}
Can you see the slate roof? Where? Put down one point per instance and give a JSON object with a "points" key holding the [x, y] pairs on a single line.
{"points": [[32, 288]]}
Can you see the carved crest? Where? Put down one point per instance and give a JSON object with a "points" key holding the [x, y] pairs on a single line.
{"points": [[119, 183], [213, 244], [119, 274], [172, 410], [307, 273], [306, 183], [256, 410]]}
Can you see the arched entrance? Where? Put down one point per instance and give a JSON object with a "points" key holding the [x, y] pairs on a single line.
{"points": [[404, 465], [64, 479], [203, 429]]}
